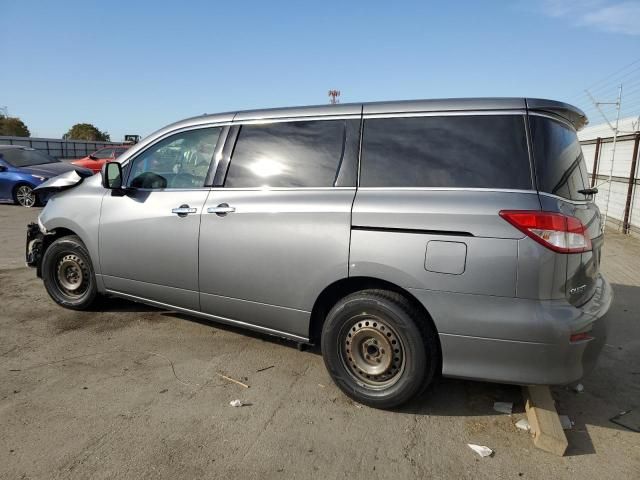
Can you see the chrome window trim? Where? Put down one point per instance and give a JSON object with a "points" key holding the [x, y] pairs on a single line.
{"points": [[551, 116], [276, 189], [446, 113], [266, 121], [442, 189], [574, 202]]}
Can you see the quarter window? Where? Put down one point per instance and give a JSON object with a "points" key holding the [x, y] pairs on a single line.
{"points": [[560, 166], [470, 151], [179, 161], [287, 154]]}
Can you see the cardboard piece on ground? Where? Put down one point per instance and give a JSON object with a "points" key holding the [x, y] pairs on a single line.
{"points": [[548, 434]]}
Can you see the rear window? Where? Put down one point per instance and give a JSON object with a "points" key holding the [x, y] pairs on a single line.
{"points": [[470, 151], [560, 166]]}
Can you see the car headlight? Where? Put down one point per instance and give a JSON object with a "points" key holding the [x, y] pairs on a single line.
{"points": [[40, 177]]}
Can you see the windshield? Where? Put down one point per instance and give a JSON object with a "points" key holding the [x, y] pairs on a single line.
{"points": [[18, 157]]}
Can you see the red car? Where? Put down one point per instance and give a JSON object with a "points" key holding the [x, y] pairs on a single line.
{"points": [[97, 159]]}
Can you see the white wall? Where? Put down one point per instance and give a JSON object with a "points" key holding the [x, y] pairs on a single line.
{"points": [[621, 168]]}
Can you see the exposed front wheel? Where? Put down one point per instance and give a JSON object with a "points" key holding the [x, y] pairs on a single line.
{"points": [[68, 274], [25, 196], [378, 349]]}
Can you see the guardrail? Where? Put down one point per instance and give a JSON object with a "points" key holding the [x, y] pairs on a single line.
{"points": [[57, 148]]}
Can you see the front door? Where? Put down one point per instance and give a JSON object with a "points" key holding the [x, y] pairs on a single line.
{"points": [[149, 237], [277, 233]]}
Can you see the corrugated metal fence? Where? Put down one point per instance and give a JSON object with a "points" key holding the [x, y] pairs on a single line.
{"points": [[624, 202], [57, 148]]}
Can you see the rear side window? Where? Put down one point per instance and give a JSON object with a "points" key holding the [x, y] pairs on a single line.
{"points": [[287, 154], [560, 166], [476, 151]]}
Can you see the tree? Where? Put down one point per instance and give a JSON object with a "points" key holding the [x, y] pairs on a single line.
{"points": [[86, 131], [13, 126]]}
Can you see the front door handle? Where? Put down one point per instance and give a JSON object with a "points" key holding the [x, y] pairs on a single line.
{"points": [[183, 210], [221, 210]]}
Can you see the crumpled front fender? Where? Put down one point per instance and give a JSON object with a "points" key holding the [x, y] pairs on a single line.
{"points": [[62, 182]]}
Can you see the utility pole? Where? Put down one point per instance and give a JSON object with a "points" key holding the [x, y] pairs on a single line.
{"points": [[333, 96], [615, 129]]}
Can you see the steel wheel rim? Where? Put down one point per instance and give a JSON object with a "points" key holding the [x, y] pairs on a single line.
{"points": [[72, 275], [25, 196], [372, 352]]}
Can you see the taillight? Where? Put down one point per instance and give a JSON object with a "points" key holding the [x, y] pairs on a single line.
{"points": [[558, 232]]}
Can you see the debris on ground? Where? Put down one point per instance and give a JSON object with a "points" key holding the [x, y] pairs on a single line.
{"points": [[566, 422], [236, 403], [264, 368], [503, 407], [579, 388], [523, 425], [629, 419], [481, 450], [229, 379]]}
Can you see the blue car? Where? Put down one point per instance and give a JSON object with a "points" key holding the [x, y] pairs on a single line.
{"points": [[22, 169]]}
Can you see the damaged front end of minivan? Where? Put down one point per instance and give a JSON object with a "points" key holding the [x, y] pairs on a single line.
{"points": [[36, 232]]}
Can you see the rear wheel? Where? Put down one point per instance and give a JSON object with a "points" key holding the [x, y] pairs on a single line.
{"points": [[378, 349], [68, 274], [25, 196]]}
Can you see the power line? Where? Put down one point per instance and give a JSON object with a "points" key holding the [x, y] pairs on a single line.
{"points": [[614, 73]]}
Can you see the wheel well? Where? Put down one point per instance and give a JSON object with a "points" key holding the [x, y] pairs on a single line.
{"points": [[340, 289], [54, 235]]}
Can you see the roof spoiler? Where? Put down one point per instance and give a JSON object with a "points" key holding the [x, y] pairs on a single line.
{"points": [[572, 114]]}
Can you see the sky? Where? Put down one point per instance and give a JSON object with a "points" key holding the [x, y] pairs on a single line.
{"points": [[130, 67]]}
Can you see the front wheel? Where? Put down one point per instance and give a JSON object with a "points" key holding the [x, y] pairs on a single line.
{"points": [[378, 349], [68, 274], [25, 196]]}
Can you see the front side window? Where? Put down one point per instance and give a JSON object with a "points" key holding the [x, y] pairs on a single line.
{"points": [[179, 161], [466, 151], [287, 154], [560, 166]]}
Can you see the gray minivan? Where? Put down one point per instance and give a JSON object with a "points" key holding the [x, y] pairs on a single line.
{"points": [[409, 239]]}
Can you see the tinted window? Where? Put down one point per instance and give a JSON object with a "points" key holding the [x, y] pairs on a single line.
{"points": [[179, 161], [289, 154], [103, 153], [558, 156], [488, 151], [18, 157]]}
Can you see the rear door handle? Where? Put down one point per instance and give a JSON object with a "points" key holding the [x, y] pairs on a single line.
{"points": [[221, 210], [183, 210]]}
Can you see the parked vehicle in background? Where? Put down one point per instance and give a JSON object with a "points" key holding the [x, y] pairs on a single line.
{"points": [[22, 169], [407, 238], [97, 159]]}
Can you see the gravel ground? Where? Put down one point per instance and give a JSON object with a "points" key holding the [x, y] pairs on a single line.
{"points": [[129, 391]]}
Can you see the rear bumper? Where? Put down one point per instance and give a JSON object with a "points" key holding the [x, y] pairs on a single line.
{"points": [[519, 341]]}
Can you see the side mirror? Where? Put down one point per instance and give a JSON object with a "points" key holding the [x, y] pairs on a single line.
{"points": [[112, 176], [3, 168], [93, 157]]}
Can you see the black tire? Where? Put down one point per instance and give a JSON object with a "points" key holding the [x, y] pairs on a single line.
{"points": [[68, 274], [369, 322], [24, 196]]}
